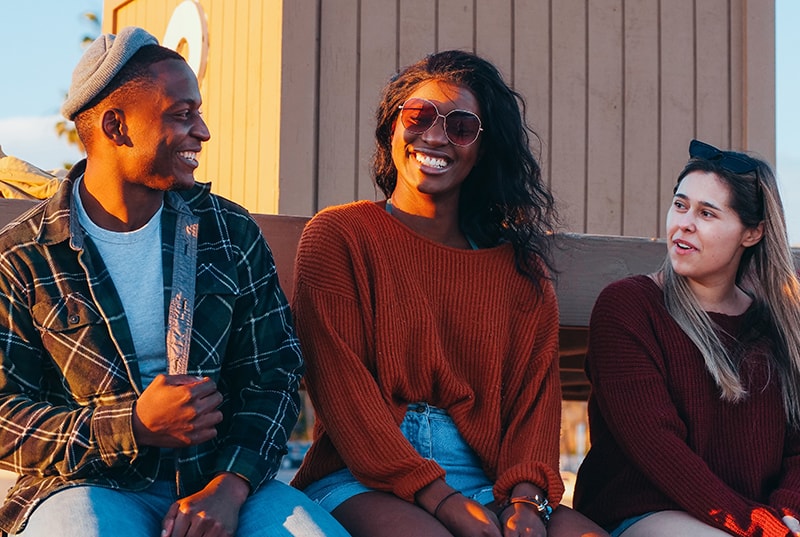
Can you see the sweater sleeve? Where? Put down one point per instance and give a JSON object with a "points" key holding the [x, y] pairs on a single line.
{"points": [[630, 387], [529, 450], [786, 497], [333, 316]]}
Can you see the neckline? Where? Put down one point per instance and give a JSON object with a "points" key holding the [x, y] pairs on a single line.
{"points": [[472, 244]]}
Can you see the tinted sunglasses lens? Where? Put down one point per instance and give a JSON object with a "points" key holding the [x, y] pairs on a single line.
{"points": [[462, 127], [418, 115], [727, 159], [698, 149], [737, 164]]}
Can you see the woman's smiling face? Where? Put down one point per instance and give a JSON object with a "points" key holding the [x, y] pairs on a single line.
{"points": [[428, 163]]}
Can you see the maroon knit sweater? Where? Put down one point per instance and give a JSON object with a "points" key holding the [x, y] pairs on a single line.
{"points": [[661, 436], [387, 317]]}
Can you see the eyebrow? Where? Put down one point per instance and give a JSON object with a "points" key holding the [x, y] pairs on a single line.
{"points": [[187, 101], [703, 203]]}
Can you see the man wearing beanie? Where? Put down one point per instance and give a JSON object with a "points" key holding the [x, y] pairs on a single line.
{"points": [[148, 363]]}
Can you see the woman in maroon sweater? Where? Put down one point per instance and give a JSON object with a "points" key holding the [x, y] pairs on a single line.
{"points": [[695, 369]]}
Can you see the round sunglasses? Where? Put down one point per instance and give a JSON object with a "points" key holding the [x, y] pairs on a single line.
{"points": [[461, 127]]}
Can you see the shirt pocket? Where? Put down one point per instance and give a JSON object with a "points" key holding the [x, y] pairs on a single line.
{"points": [[216, 292], [66, 314], [75, 337]]}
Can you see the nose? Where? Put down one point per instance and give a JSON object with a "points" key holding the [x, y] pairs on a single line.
{"points": [[686, 221], [200, 130], [435, 135]]}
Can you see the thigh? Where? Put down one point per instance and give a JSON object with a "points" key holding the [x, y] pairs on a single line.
{"points": [[90, 511], [278, 510], [379, 514], [566, 522], [671, 523]]}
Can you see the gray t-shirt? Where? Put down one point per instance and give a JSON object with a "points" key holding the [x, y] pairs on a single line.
{"points": [[133, 259]]}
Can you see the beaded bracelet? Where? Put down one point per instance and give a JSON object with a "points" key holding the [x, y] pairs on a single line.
{"points": [[441, 503], [541, 504]]}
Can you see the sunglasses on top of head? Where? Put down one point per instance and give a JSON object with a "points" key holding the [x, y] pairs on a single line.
{"points": [[730, 160], [461, 127]]}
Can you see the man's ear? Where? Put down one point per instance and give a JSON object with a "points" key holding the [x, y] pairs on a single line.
{"points": [[113, 125]]}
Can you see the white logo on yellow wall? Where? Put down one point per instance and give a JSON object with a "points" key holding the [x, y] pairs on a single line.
{"points": [[187, 34]]}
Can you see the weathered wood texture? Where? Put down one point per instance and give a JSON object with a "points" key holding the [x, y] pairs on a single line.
{"points": [[615, 89]]}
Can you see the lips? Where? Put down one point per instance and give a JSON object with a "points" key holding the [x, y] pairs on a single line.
{"points": [[683, 246]]}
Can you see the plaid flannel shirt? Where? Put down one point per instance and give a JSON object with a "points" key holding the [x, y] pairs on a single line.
{"points": [[68, 370]]}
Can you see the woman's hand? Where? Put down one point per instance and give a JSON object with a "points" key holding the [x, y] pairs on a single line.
{"points": [[468, 518], [460, 515], [522, 520]]}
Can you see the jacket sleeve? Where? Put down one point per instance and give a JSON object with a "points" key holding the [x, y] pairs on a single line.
{"points": [[632, 394], [531, 409], [43, 430], [262, 368], [333, 312]]}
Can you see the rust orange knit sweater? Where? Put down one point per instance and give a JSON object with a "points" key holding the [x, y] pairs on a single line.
{"points": [[387, 317]]}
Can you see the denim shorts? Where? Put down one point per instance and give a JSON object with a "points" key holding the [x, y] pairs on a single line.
{"points": [[627, 523], [434, 435]]}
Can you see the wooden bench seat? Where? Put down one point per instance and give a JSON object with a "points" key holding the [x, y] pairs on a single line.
{"points": [[585, 264]]}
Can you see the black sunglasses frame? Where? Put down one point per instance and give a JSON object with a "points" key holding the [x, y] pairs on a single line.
{"points": [[729, 160]]}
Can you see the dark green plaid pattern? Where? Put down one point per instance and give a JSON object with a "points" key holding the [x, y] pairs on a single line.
{"points": [[68, 371]]}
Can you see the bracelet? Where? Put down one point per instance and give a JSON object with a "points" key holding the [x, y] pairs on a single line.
{"points": [[441, 503], [541, 504]]}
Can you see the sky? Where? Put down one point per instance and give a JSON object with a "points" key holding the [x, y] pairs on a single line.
{"points": [[36, 76]]}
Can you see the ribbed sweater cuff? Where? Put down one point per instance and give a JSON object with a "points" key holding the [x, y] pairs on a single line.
{"points": [[539, 474], [424, 475]]}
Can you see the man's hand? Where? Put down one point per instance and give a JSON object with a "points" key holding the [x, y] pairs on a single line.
{"points": [[212, 512], [177, 411]]}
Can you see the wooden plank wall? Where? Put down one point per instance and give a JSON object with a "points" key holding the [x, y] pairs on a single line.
{"points": [[615, 89], [241, 91]]}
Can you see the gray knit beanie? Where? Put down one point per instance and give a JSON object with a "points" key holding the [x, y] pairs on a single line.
{"points": [[102, 60]]}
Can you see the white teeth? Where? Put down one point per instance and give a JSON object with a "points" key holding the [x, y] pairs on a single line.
{"points": [[188, 155], [683, 246], [433, 162]]}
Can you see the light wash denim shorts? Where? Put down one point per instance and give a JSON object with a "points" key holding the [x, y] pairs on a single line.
{"points": [[434, 435], [627, 523]]}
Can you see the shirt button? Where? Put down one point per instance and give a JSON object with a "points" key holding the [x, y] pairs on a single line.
{"points": [[74, 319]]}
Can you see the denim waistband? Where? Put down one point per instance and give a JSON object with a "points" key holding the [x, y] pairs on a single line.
{"points": [[425, 408]]}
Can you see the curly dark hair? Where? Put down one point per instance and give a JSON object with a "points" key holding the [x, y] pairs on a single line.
{"points": [[503, 199]]}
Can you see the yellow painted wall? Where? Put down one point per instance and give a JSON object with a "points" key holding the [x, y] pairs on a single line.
{"points": [[240, 89]]}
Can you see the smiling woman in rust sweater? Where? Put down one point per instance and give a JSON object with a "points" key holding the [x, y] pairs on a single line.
{"points": [[695, 370], [430, 325]]}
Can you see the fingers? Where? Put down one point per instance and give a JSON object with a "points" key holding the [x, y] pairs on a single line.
{"points": [[169, 521], [177, 411]]}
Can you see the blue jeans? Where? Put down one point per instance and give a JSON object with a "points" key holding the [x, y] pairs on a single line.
{"points": [[275, 510], [434, 435]]}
